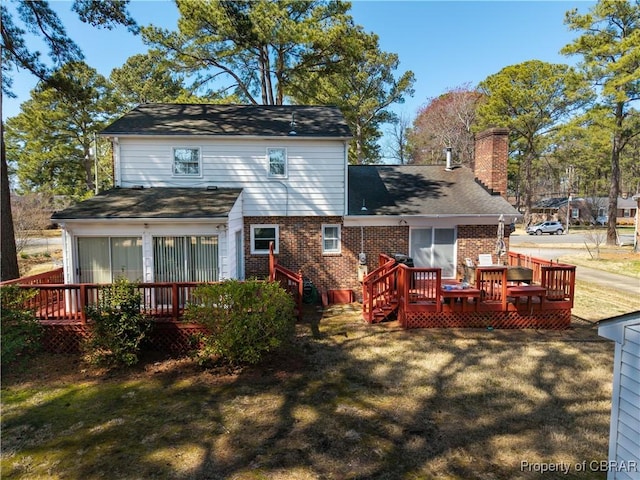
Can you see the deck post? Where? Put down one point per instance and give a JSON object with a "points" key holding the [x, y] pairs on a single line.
{"points": [[175, 302], [83, 303]]}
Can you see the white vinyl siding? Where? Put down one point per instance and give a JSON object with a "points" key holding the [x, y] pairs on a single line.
{"points": [[314, 184], [628, 418], [624, 432]]}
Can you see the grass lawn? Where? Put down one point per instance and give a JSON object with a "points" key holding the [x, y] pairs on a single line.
{"points": [[349, 401]]}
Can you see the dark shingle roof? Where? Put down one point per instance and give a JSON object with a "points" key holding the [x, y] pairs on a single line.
{"points": [[231, 120], [120, 203], [421, 190]]}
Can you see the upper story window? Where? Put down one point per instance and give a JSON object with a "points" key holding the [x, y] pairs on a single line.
{"points": [[277, 162], [186, 161], [330, 238]]}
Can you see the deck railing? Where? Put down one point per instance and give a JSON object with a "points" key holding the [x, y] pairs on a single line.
{"points": [[534, 263], [290, 281], [393, 286], [379, 289], [69, 302], [52, 276]]}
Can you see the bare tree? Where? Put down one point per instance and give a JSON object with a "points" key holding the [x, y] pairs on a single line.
{"points": [[445, 122], [397, 145]]}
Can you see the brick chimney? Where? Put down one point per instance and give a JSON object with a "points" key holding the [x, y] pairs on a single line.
{"points": [[491, 154]]}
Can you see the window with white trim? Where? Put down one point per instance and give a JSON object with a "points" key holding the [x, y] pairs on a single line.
{"points": [[185, 259], [575, 213], [277, 158], [331, 239], [186, 161], [262, 236]]}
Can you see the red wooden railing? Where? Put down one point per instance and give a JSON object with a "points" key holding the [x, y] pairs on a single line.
{"points": [[391, 286], [534, 263], [379, 290], [52, 276], [492, 283], [68, 302], [560, 281], [289, 280]]}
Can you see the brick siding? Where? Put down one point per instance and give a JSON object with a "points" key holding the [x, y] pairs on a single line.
{"points": [[491, 154], [300, 248]]}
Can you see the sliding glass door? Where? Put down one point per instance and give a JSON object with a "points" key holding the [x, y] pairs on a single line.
{"points": [[434, 247], [185, 259], [103, 259]]}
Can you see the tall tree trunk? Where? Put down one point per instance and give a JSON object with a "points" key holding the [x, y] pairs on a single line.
{"points": [[614, 190], [8, 254]]}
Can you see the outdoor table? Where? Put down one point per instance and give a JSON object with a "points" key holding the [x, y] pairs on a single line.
{"points": [[528, 291], [457, 292]]}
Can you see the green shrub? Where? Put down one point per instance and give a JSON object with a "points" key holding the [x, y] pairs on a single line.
{"points": [[21, 331], [118, 327], [245, 320]]}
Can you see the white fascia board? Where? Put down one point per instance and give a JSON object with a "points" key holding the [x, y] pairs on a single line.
{"points": [[614, 329], [395, 220], [225, 137], [112, 221]]}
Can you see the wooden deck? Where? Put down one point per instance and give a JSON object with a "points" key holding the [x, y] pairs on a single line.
{"points": [[496, 296], [61, 308]]}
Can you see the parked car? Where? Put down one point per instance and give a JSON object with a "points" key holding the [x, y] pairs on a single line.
{"points": [[546, 227], [602, 219]]}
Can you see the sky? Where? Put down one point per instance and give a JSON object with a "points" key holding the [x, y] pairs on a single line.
{"points": [[446, 44]]}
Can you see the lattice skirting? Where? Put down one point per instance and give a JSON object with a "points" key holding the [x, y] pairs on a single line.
{"points": [[64, 338], [167, 337], [550, 320]]}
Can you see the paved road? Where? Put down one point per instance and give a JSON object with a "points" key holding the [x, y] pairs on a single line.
{"points": [[591, 275]]}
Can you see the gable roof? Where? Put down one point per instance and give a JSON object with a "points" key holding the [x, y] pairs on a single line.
{"points": [[421, 190], [231, 120], [158, 203]]}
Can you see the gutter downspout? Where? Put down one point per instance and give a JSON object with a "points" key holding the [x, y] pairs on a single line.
{"points": [[115, 162], [346, 178]]}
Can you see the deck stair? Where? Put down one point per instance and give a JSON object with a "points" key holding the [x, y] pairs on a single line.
{"points": [[379, 291]]}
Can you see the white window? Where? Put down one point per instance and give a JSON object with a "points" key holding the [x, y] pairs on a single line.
{"points": [[185, 259], [186, 161], [277, 162], [262, 236], [575, 213], [627, 212], [331, 239]]}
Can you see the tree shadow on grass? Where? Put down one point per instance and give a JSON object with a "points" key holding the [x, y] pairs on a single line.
{"points": [[348, 400]]}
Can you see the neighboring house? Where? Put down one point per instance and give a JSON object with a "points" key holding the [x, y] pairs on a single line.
{"points": [[583, 211], [624, 432], [201, 191]]}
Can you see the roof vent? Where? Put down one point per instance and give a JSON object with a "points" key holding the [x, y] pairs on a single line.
{"points": [[448, 167], [293, 124]]}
